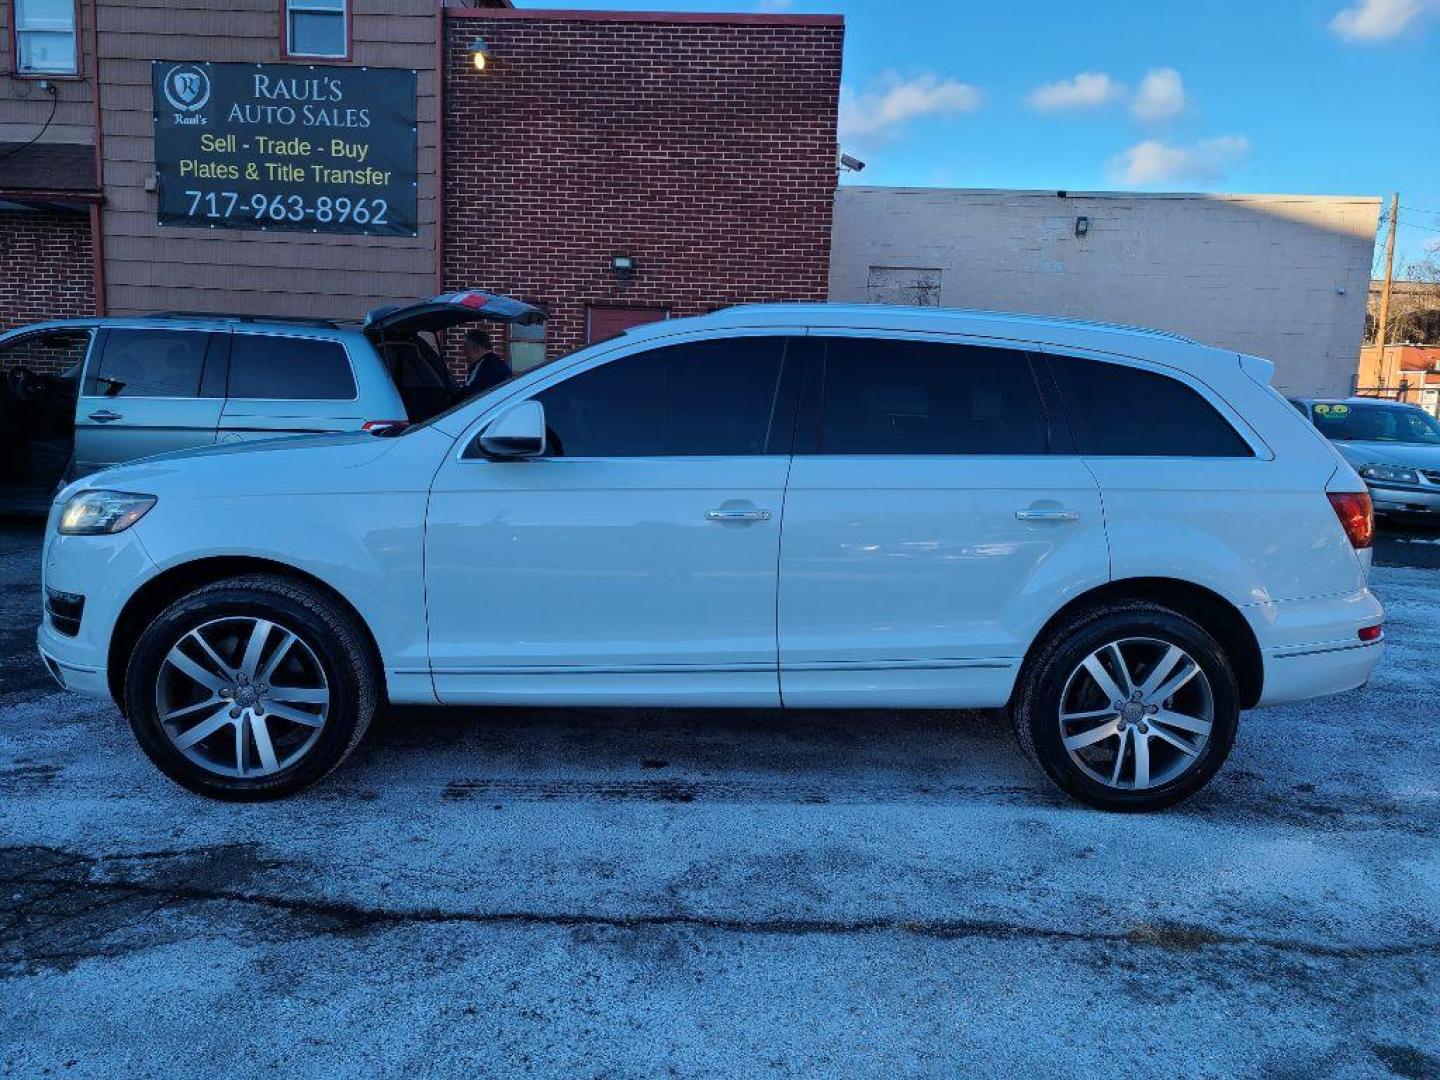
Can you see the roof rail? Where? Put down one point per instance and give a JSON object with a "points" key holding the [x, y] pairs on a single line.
{"points": [[230, 316]]}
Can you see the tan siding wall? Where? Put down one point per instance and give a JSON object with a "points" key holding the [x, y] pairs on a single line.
{"points": [[149, 267], [1279, 276], [24, 107]]}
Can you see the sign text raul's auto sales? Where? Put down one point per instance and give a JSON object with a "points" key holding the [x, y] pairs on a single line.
{"points": [[281, 146]]}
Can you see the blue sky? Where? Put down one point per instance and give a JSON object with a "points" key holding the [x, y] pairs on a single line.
{"points": [[1312, 96]]}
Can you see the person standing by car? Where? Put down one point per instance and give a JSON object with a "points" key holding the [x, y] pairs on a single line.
{"points": [[487, 368]]}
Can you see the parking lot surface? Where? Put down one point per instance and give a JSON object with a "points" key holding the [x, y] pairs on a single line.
{"points": [[625, 893]]}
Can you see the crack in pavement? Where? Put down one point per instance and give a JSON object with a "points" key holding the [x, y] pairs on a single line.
{"points": [[350, 917]]}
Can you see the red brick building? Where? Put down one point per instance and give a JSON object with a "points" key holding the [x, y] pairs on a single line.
{"points": [[624, 167], [613, 166]]}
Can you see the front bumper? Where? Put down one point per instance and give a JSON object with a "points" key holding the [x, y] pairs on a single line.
{"points": [[1406, 498], [106, 570]]}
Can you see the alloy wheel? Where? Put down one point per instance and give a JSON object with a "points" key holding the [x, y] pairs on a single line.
{"points": [[242, 697], [1136, 713]]}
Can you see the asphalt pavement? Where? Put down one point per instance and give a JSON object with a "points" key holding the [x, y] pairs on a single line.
{"points": [[657, 892]]}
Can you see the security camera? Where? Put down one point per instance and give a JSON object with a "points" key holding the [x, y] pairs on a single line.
{"points": [[852, 164]]}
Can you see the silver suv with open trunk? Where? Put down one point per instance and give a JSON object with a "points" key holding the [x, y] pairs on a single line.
{"points": [[80, 395]]}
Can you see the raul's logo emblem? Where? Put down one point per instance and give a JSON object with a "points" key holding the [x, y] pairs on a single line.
{"points": [[187, 87]]}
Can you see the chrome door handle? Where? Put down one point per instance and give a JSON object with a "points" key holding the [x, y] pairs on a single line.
{"points": [[1047, 515], [737, 515], [105, 416]]}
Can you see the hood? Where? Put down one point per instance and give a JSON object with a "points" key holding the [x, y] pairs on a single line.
{"points": [[450, 309], [1412, 455], [261, 446], [287, 464]]}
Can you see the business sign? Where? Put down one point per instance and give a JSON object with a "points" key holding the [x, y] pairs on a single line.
{"points": [[286, 147]]}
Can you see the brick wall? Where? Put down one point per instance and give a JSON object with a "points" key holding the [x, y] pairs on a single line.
{"points": [[702, 146], [48, 270]]}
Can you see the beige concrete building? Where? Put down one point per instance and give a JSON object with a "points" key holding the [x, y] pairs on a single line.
{"points": [[1279, 276]]}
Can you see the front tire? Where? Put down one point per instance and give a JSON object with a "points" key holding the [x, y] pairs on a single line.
{"points": [[1128, 707], [252, 688]]}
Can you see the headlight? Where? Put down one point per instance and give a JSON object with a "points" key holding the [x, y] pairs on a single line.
{"points": [[1395, 473], [96, 513]]}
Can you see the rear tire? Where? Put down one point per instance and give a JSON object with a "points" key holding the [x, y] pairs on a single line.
{"points": [[252, 688], [1128, 706]]}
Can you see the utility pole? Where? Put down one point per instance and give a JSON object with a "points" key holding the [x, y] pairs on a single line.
{"points": [[1383, 323]]}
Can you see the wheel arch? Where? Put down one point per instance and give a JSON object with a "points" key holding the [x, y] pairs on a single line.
{"points": [[177, 581], [1220, 618]]}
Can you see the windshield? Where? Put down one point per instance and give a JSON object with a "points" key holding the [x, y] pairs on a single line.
{"points": [[1348, 422]]}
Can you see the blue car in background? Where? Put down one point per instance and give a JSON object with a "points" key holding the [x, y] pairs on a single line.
{"points": [[1393, 446]]}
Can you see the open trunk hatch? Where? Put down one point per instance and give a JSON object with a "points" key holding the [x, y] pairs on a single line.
{"points": [[447, 310]]}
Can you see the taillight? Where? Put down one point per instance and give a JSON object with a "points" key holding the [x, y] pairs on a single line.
{"points": [[384, 427], [1356, 515], [1372, 633]]}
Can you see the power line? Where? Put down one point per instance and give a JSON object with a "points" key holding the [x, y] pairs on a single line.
{"points": [[54, 101]]}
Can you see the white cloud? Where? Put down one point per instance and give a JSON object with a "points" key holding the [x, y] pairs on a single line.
{"points": [[879, 111], [1161, 95], [1433, 246], [1155, 162], [1375, 20], [1088, 90]]}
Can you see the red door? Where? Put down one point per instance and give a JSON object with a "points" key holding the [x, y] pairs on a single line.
{"points": [[606, 321]]}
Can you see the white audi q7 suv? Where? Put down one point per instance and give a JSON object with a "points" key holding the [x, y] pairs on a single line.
{"points": [[1122, 537]]}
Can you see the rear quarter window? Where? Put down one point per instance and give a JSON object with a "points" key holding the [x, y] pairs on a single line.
{"points": [[1121, 411], [264, 366]]}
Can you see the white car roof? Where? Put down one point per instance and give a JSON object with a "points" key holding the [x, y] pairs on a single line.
{"points": [[1034, 329]]}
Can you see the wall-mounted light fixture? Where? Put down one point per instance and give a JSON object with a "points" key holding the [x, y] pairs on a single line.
{"points": [[623, 264], [480, 54], [1082, 226]]}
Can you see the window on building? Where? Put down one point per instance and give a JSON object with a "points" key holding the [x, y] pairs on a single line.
{"points": [[527, 346], [264, 366], [45, 37], [700, 399], [317, 28], [149, 363], [884, 396], [1123, 411]]}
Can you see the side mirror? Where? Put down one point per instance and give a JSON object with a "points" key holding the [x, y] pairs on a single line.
{"points": [[518, 432]]}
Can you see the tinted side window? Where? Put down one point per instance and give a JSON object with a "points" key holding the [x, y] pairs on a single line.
{"points": [[263, 366], [60, 352], [1123, 411], [699, 399], [916, 397], [149, 363]]}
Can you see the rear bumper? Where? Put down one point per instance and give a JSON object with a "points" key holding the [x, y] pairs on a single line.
{"points": [[1312, 647], [1295, 676]]}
